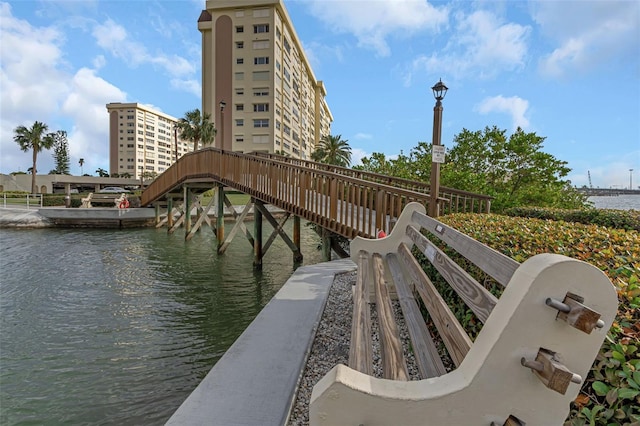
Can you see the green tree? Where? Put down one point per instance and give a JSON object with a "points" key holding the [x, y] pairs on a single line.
{"points": [[196, 127], [61, 152], [333, 150], [513, 169], [102, 172], [33, 139], [81, 162]]}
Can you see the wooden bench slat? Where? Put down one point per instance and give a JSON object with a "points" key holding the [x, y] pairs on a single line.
{"points": [[360, 348], [393, 363], [424, 348], [494, 263], [478, 298], [455, 338]]}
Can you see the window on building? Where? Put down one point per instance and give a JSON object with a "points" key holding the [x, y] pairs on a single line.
{"points": [[261, 60], [239, 139], [260, 44], [261, 28], [260, 13], [239, 76], [261, 91], [260, 75], [278, 33], [287, 46], [261, 122], [239, 61], [239, 107], [239, 122], [239, 13], [239, 91], [260, 138], [239, 44], [260, 107], [240, 29]]}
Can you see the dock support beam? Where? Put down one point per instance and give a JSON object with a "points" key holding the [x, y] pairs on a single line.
{"points": [[220, 215], [257, 231], [187, 209], [170, 212]]}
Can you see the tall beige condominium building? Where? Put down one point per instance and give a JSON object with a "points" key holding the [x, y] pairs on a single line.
{"points": [[142, 140], [257, 83]]}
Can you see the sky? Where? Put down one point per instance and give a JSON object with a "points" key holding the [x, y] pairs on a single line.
{"points": [[567, 70]]}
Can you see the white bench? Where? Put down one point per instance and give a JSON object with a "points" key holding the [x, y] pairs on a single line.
{"points": [[537, 344]]}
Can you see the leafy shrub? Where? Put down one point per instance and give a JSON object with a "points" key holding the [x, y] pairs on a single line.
{"points": [[15, 194], [611, 393], [621, 219]]}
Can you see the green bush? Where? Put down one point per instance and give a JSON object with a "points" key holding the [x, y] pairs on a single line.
{"points": [[611, 393], [620, 219]]}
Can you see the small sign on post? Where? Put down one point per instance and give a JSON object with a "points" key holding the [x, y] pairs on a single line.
{"points": [[438, 153]]}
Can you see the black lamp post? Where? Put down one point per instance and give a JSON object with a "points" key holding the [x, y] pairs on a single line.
{"points": [[439, 92], [222, 105]]}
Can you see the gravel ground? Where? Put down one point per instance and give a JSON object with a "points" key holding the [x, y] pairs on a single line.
{"points": [[331, 344]]}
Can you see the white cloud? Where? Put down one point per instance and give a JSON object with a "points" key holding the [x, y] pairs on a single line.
{"points": [[482, 45], [33, 82], [515, 106], [361, 136], [36, 86], [373, 22], [357, 154], [114, 38], [596, 33], [85, 105], [189, 86], [318, 53], [30, 73]]}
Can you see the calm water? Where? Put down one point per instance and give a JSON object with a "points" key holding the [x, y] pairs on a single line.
{"points": [[621, 202], [118, 327]]}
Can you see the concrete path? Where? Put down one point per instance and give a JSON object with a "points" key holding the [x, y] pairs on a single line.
{"points": [[254, 383]]}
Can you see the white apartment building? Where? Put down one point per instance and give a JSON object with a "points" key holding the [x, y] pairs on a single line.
{"points": [[142, 140], [257, 83]]}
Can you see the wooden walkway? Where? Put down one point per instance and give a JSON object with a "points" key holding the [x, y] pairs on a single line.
{"points": [[347, 202]]}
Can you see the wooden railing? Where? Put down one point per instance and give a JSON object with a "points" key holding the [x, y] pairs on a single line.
{"points": [[343, 203], [453, 200]]}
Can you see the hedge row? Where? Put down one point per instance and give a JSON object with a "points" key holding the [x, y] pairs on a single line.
{"points": [[620, 219], [611, 393]]}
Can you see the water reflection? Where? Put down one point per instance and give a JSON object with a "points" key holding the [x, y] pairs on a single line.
{"points": [[104, 327]]}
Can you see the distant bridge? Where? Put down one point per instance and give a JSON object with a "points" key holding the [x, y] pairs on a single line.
{"points": [[611, 192]]}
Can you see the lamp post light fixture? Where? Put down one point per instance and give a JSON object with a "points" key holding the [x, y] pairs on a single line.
{"points": [[439, 92], [222, 105], [630, 178]]}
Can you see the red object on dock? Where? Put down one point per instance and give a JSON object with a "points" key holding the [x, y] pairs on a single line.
{"points": [[381, 234]]}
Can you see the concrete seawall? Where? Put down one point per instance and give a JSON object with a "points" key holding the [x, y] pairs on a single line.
{"points": [[87, 218]]}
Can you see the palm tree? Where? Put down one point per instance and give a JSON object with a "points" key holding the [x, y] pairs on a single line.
{"points": [[35, 139], [196, 127], [81, 162], [333, 150]]}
